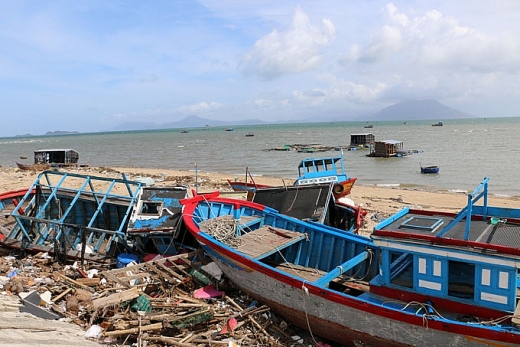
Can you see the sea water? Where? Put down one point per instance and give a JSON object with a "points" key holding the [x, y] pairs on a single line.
{"points": [[467, 151]]}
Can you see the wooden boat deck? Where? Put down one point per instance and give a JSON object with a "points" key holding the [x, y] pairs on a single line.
{"points": [[267, 240], [250, 236]]}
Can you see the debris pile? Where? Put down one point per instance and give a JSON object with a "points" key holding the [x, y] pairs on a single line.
{"points": [[174, 301]]}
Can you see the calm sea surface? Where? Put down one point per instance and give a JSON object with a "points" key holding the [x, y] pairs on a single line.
{"points": [[466, 151]]}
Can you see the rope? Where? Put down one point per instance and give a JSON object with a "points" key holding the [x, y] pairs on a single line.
{"points": [[223, 230], [305, 294], [294, 200]]}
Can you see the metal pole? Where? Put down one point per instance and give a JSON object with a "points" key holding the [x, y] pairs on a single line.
{"points": [[196, 179]]}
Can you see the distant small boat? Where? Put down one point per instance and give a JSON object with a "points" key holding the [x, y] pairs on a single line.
{"points": [[369, 126], [246, 186], [33, 167], [250, 134], [239, 186], [184, 131], [229, 129], [429, 169], [438, 124]]}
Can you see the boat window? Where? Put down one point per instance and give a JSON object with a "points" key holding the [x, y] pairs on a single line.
{"points": [[422, 223], [461, 279], [151, 208], [401, 269]]}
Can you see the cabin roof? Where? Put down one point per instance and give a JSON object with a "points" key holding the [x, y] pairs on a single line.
{"points": [[56, 150], [483, 235], [392, 142], [313, 161]]}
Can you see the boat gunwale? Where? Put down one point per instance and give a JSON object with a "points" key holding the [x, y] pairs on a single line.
{"points": [[437, 323]]}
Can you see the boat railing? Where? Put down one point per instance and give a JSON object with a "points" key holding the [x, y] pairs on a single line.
{"points": [[467, 211], [340, 269], [38, 226]]}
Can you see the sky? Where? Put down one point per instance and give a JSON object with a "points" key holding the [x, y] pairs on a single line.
{"points": [[92, 65]]}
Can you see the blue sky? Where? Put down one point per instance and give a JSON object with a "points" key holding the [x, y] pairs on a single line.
{"points": [[91, 65]]}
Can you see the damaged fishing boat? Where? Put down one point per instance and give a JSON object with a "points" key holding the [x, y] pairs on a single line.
{"points": [[312, 202], [423, 279], [311, 171], [245, 186], [93, 218]]}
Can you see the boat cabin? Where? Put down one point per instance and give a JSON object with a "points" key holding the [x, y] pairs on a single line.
{"points": [[361, 140], [386, 148], [321, 170], [313, 202], [60, 157], [469, 260], [156, 216]]}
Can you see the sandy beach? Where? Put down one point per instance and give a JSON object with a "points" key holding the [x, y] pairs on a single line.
{"points": [[379, 202]]}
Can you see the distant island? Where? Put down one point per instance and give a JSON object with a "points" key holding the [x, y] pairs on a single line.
{"points": [[51, 133], [404, 110], [58, 132]]}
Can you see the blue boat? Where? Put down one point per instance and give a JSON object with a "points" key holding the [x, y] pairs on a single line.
{"points": [[422, 279], [326, 170], [92, 218], [311, 171], [430, 169]]}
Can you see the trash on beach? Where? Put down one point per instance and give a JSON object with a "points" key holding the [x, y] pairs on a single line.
{"points": [[143, 301]]}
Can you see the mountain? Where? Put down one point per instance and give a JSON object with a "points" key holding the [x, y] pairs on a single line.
{"points": [[188, 122], [404, 110], [418, 109]]}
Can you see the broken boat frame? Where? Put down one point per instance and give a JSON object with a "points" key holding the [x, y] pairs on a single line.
{"points": [[94, 218]]}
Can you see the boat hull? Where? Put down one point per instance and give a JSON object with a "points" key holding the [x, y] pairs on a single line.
{"points": [[354, 319], [64, 215], [429, 169], [337, 319], [239, 186]]}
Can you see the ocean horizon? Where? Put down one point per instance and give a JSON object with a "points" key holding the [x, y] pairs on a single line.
{"points": [[466, 150]]}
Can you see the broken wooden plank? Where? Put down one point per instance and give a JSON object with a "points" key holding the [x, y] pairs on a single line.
{"points": [[65, 292], [116, 298], [155, 326], [74, 282], [91, 282]]}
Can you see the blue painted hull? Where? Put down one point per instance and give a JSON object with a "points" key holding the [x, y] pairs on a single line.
{"points": [[430, 169], [321, 281]]}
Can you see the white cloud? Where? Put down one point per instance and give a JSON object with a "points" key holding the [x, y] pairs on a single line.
{"points": [[292, 51], [199, 108], [434, 40]]}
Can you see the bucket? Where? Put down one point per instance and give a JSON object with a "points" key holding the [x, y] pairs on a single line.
{"points": [[124, 259]]}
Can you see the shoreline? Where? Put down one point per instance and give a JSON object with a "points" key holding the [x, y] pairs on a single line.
{"points": [[380, 202]]}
